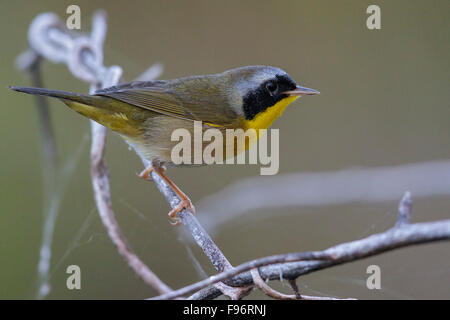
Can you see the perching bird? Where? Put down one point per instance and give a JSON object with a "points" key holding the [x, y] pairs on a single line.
{"points": [[145, 113]]}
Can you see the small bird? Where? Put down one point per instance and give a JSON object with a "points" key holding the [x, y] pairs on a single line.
{"points": [[145, 113]]}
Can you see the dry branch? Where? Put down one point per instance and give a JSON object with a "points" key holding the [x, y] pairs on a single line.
{"points": [[292, 265], [83, 54]]}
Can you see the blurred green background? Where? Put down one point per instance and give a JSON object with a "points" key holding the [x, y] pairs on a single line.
{"points": [[384, 101]]}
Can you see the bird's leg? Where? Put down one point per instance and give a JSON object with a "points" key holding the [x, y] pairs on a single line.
{"points": [[185, 202]]}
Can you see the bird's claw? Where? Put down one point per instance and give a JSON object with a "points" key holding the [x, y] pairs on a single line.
{"points": [[146, 173], [184, 204]]}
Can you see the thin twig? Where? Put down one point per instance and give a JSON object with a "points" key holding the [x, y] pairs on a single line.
{"points": [[152, 73], [234, 293], [404, 209], [293, 284], [259, 282], [30, 62]]}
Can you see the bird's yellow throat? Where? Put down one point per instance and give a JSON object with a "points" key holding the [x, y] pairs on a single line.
{"points": [[264, 119]]}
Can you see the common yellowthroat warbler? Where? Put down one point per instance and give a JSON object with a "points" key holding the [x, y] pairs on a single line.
{"points": [[146, 113]]}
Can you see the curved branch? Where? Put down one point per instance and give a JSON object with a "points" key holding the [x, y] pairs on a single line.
{"points": [[84, 55], [296, 264]]}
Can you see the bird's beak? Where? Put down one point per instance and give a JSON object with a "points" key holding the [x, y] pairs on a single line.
{"points": [[301, 91]]}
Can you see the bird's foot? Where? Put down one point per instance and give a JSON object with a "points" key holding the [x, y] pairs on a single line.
{"points": [[184, 204]]}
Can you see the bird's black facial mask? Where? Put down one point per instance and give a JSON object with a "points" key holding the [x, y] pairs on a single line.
{"points": [[267, 95]]}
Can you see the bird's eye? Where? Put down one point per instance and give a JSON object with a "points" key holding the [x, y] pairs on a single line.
{"points": [[272, 87]]}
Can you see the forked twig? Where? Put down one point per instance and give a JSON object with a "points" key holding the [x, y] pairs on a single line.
{"points": [[259, 282]]}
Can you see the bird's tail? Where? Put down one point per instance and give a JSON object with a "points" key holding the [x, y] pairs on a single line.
{"points": [[109, 112], [65, 95]]}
